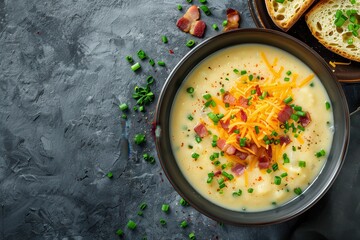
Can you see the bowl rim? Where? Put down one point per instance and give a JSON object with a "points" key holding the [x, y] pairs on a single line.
{"points": [[339, 162]]}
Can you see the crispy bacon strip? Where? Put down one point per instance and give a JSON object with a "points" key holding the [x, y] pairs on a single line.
{"points": [[190, 22], [233, 18], [201, 130]]}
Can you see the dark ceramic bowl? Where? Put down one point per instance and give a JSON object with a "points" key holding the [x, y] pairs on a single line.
{"points": [[339, 145]]}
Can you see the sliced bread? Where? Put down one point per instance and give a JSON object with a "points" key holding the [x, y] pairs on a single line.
{"points": [[339, 39], [287, 12]]}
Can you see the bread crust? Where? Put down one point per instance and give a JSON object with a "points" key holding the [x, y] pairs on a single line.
{"points": [[312, 26], [283, 24]]}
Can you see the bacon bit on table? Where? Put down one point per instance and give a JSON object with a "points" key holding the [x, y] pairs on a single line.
{"points": [[189, 22], [233, 18], [201, 130]]}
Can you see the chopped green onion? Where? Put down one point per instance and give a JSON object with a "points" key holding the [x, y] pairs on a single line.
{"points": [[139, 138], [190, 90], [243, 72], [327, 105], [162, 222], [283, 175], [136, 66], [123, 106], [237, 131], [222, 91], [179, 7], [297, 108], [198, 139], [141, 54], [119, 232], [109, 175], [205, 9], [224, 23], [243, 142], [300, 113], [161, 63], [353, 1], [165, 207], [312, 84], [164, 39], [124, 116], [302, 164], [268, 170], [131, 225], [286, 79], [195, 156], [140, 213], [340, 21], [215, 26], [250, 190], [151, 62], [189, 1], [183, 202], [190, 117], [280, 1], [192, 235], [288, 73], [286, 158], [129, 59], [275, 167], [237, 194], [141, 108], [143, 206], [227, 175], [223, 166], [277, 180], [288, 100], [190, 43], [350, 41], [150, 80], [257, 131], [207, 96], [183, 224], [294, 117], [236, 71], [210, 177], [321, 153], [202, 1], [297, 191], [253, 91]]}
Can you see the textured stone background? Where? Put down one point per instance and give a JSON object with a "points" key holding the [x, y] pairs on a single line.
{"points": [[62, 76]]}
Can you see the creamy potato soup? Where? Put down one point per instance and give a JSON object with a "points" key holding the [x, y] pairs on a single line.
{"points": [[251, 127]]}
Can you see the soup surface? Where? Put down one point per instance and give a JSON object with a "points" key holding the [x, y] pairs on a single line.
{"points": [[251, 127]]}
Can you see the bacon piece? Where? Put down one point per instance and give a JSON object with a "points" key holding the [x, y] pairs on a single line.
{"points": [[258, 90], [190, 22], [233, 19], [284, 139], [217, 173], [192, 14], [198, 28], [264, 162], [228, 148], [243, 102], [285, 113], [304, 121], [201, 130], [225, 124], [183, 24], [243, 115], [241, 155], [238, 169], [228, 98]]}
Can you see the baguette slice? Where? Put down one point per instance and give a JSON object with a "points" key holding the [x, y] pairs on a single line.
{"points": [[320, 21], [286, 14]]}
